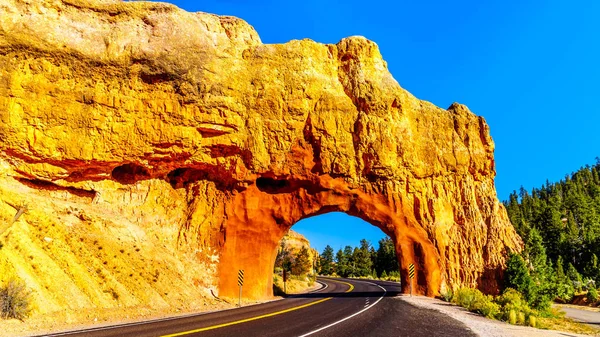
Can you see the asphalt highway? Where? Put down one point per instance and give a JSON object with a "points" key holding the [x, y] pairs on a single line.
{"points": [[343, 307]]}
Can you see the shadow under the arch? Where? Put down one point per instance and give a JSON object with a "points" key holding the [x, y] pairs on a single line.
{"points": [[343, 294]]}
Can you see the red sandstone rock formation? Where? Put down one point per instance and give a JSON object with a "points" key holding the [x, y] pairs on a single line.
{"points": [[98, 98]]}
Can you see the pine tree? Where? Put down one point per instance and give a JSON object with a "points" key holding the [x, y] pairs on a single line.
{"points": [[591, 268], [517, 274], [574, 277], [341, 261], [551, 227], [373, 257], [560, 272], [543, 282], [301, 264], [362, 259], [326, 261], [284, 257], [567, 215], [386, 257], [349, 256]]}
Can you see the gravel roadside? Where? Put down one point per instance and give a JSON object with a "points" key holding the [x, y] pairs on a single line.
{"points": [[480, 325]]}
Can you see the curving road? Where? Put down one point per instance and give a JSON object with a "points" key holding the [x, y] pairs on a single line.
{"points": [[589, 317], [343, 307]]}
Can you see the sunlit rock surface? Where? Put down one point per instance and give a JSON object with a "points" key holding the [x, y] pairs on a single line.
{"points": [[149, 143], [293, 242]]}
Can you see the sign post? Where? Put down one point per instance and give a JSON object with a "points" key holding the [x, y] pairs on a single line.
{"points": [[240, 283], [284, 280], [411, 275]]}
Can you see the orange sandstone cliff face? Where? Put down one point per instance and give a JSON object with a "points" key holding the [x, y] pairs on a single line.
{"points": [[129, 123], [293, 242]]}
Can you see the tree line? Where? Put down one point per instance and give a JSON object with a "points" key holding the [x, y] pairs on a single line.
{"points": [[560, 226], [361, 261]]}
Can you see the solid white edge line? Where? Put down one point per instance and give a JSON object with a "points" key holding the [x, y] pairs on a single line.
{"points": [[320, 289], [158, 320], [347, 318]]}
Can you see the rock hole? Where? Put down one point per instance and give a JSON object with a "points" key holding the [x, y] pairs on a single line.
{"points": [[130, 173], [270, 185]]}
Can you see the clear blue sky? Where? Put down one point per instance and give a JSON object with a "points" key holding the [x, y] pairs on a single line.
{"points": [[531, 68]]}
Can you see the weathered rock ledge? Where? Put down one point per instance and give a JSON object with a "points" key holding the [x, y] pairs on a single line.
{"points": [[139, 124]]}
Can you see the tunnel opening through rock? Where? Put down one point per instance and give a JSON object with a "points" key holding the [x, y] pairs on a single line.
{"points": [[273, 206], [358, 249]]}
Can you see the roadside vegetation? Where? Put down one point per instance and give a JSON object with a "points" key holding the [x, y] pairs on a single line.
{"points": [[14, 300], [513, 308], [560, 226], [298, 267]]}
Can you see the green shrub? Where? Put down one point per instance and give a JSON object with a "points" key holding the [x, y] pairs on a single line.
{"points": [[485, 305], [511, 297], [473, 300], [589, 283], [565, 292], [447, 294], [465, 297], [532, 321], [517, 274], [511, 306], [513, 303], [512, 317], [394, 276], [14, 300], [592, 295]]}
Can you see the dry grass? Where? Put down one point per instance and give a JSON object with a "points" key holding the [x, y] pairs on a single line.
{"points": [[580, 307], [14, 300], [567, 325], [294, 284], [95, 262]]}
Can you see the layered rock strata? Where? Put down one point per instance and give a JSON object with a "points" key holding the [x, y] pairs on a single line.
{"points": [[140, 122]]}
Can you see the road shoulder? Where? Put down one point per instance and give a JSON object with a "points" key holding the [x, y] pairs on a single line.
{"points": [[480, 325], [585, 315]]}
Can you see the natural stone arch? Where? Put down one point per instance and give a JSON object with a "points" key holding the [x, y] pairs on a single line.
{"points": [[195, 108], [258, 218]]}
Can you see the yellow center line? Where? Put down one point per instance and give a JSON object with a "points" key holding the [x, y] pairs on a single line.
{"points": [[351, 287]]}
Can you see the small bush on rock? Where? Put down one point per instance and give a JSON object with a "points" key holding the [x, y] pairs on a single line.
{"points": [[14, 300], [592, 295]]}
